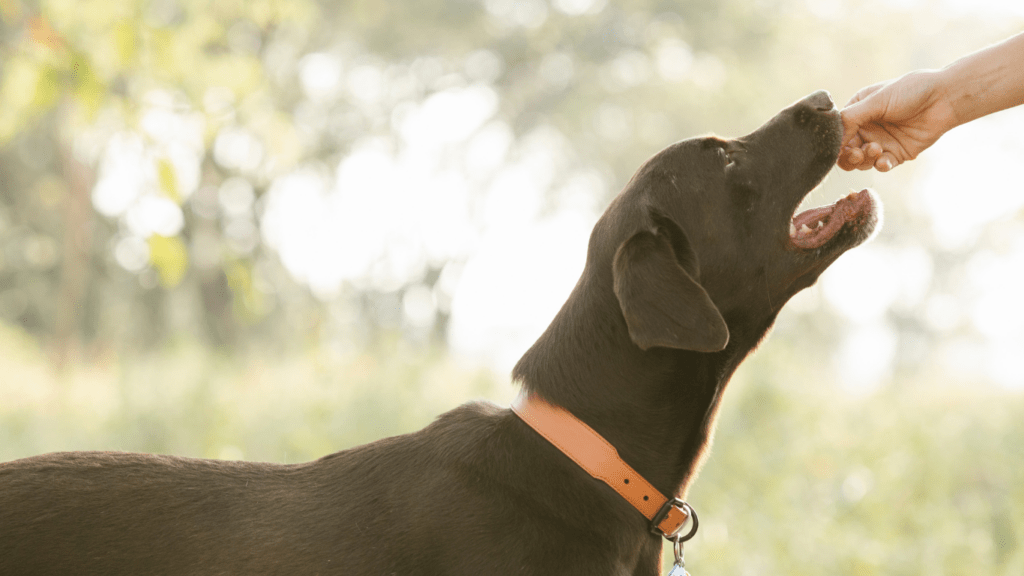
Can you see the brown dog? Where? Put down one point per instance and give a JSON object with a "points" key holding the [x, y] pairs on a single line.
{"points": [[686, 271]]}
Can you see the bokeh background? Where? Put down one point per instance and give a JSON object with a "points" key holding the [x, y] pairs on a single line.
{"points": [[273, 229]]}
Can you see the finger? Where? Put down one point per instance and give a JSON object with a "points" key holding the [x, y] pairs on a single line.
{"points": [[851, 135], [854, 142], [844, 161], [873, 151], [886, 162], [851, 130], [869, 154], [850, 158], [866, 107], [854, 117]]}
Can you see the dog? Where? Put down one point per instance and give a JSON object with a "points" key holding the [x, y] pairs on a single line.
{"points": [[685, 273]]}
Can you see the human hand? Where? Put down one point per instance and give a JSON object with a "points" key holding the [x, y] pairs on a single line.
{"points": [[886, 124]]}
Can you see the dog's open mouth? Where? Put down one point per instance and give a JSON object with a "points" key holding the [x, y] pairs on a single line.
{"points": [[814, 228]]}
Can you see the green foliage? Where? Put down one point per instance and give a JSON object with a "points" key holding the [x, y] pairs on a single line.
{"points": [[615, 83], [168, 180], [170, 258], [189, 401], [806, 480]]}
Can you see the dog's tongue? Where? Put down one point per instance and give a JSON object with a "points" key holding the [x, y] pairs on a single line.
{"points": [[813, 228]]}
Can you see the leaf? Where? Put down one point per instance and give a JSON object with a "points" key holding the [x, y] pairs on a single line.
{"points": [[19, 73], [168, 179], [242, 74], [170, 258], [126, 41], [48, 89], [248, 300], [89, 91]]}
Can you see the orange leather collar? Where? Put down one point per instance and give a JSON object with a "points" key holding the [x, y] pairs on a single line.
{"points": [[601, 460]]}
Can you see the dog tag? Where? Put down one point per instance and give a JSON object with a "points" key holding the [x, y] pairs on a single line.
{"points": [[678, 570]]}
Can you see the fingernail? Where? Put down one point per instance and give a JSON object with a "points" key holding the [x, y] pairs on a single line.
{"points": [[886, 164]]}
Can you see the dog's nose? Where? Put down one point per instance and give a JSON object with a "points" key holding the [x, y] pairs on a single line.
{"points": [[820, 101]]}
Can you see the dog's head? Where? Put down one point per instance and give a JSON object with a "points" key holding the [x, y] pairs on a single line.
{"points": [[703, 242]]}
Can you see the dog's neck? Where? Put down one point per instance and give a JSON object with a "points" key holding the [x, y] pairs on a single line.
{"points": [[657, 407]]}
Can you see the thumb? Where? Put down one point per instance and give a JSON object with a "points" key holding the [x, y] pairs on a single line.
{"points": [[858, 114], [861, 109]]}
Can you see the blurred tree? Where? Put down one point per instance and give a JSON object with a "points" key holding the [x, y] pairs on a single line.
{"points": [[139, 140], [82, 83], [89, 85]]}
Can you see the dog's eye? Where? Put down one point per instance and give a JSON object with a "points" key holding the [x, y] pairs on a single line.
{"points": [[728, 157]]}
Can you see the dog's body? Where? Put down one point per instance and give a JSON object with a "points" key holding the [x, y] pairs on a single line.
{"points": [[686, 271]]}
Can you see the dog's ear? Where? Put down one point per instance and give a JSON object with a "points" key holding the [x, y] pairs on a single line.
{"points": [[664, 305]]}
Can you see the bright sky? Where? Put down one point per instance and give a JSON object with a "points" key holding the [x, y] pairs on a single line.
{"points": [[968, 183], [996, 7], [457, 187]]}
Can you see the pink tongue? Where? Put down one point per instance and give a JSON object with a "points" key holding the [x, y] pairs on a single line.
{"points": [[810, 218], [815, 227]]}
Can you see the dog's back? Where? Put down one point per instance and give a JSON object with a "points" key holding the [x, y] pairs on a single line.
{"points": [[113, 513], [120, 513], [389, 506]]}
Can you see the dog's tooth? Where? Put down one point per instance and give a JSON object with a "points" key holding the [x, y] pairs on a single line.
{"points": [[792, 229], [820, 224], [804, 229]]}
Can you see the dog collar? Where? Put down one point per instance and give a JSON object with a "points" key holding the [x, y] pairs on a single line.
{"points": [[600, 459]]}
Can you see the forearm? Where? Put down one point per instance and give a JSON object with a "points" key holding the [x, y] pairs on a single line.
{"points": [[987, 81]]}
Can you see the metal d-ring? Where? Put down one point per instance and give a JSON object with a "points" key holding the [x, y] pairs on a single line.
{"points": [[690, 513], [677, 542]]}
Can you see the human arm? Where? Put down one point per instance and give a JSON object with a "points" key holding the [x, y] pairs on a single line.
{"points": [[889, 123]]}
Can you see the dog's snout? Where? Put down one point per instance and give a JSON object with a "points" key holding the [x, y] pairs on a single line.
{"points": [[820, 101]]}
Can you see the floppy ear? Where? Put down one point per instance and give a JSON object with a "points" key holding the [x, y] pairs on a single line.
{"points": [[662, 302]]}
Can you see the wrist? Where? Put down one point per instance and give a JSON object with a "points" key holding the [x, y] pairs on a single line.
{"points": [[986, 81], [953, 95]]}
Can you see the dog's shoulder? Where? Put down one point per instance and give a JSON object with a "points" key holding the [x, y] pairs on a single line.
{"points": [[465, 430], [478, 413]]}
